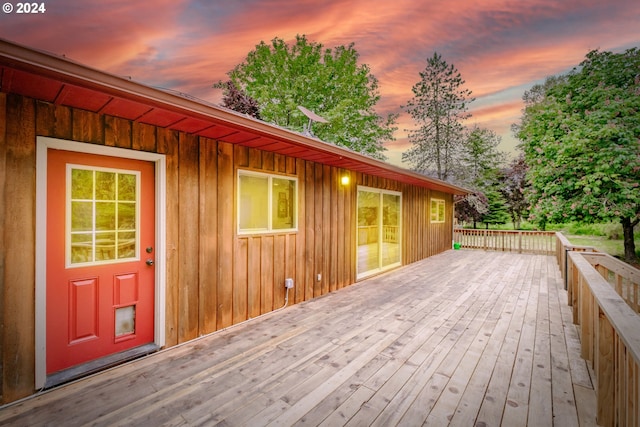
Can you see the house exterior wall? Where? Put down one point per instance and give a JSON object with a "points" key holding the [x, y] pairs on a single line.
{"points": [[214, 276]]}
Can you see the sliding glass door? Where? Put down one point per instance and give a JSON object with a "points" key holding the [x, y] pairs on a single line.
{"points": [[379, 230]]}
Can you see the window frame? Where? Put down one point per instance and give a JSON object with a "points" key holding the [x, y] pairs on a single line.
{"points": [[270, 223], [69, 232], [434, 213]]}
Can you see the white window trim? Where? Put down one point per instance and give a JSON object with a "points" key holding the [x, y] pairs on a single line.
{"points": [[438, 202], [43, 144], [269, 229]]}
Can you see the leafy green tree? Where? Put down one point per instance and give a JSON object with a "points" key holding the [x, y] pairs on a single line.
{"points": [[471, 207], [438, 106], [581, 139], [329, 82]]}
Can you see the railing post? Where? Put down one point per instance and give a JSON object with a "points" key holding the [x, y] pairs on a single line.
{"points": [[566, 265], [574, 291], [585, 319], [633, 388], [519, 242], [605, 371]]}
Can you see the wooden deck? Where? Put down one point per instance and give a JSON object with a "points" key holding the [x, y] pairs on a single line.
{"points": [[463, 338]]}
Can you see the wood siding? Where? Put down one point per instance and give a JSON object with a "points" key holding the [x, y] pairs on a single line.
{"points": [[214, 277]]}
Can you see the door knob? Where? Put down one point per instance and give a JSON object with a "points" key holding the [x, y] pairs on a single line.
{"points": [[149, 261]]}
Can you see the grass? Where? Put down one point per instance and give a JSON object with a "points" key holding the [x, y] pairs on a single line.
{"points": [[612, 247], [604, 237]]}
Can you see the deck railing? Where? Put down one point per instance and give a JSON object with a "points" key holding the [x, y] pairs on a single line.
{"points": [[603, 293], [538, 242], [622, 277], [563, 247]]}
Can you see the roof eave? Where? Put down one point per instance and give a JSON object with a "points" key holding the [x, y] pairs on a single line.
{"points": [[60, 68]]}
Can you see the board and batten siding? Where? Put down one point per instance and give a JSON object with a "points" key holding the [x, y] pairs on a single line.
{"points": [[214, 277]]}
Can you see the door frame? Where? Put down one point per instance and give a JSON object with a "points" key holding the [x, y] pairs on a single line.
{"points": [[43, 144], [380, 268]]}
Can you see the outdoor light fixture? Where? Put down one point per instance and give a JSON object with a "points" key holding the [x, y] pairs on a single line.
{"points": [[344, 180]]}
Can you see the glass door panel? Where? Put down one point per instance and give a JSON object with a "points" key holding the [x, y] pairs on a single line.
{"points": [[368, 231], [379, 232], [390, 229]]}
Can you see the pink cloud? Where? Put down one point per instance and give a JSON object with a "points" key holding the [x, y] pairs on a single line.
{"points": [[501, 47], [101, 34]]}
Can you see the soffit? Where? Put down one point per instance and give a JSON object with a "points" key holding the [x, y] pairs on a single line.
{"points": [[59, 81]]}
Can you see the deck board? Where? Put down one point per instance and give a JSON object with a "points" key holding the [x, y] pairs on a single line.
{"points": [[462, 338]]}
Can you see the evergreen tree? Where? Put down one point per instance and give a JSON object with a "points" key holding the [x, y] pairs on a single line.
{"points": [[479, 170], [480, 156], [438, 106], [496, 210]]}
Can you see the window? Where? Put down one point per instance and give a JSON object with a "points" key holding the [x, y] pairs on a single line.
{"points": [[437, 210], [102, 225], [266, 202]]}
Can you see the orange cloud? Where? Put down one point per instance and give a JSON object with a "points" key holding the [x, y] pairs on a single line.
{"points": [[500, 47]]}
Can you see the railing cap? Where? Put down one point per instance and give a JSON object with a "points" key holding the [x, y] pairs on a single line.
{"points": [[624, 320]]}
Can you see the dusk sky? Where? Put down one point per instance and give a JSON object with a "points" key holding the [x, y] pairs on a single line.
{"points": [[501, 47]]}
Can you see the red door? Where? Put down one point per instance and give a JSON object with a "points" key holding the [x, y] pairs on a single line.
{"points": [[100, 256]]}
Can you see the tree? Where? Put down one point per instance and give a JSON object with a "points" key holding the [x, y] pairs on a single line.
{"points": [[329, 82], [513, 187], [496, 209], [581, 139], [237, 100], [479, 169], [471, 207], [480, 158], [438, 106]]}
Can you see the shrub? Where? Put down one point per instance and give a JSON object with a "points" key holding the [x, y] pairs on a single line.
{"points": [[610, 230]]}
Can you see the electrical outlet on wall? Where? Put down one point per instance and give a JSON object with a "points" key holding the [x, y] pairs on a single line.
{"points": [[319, 277]]}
